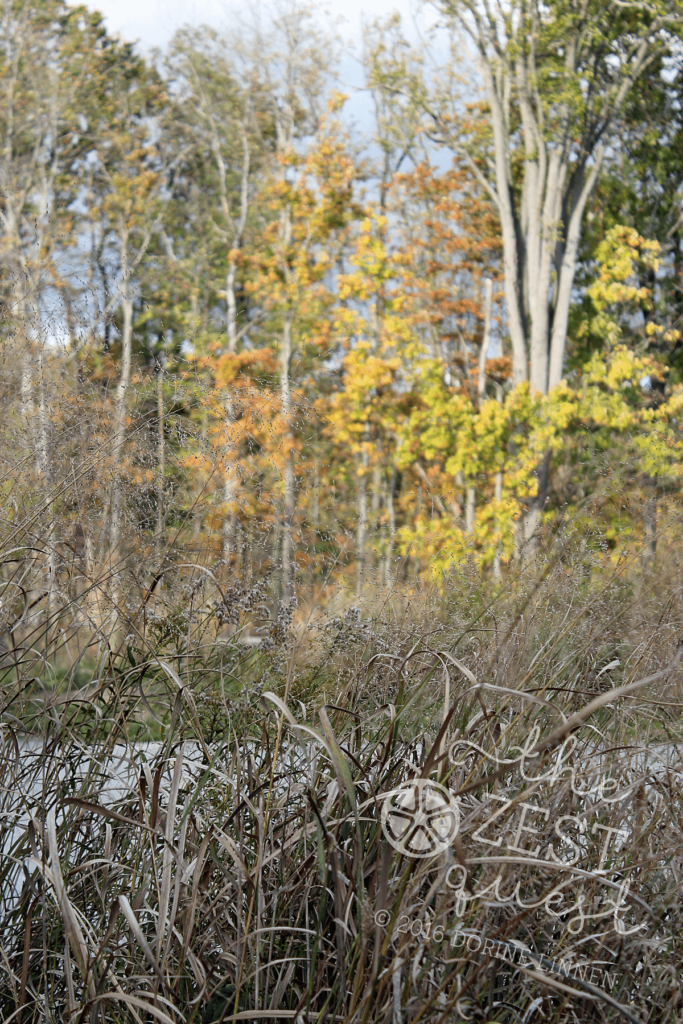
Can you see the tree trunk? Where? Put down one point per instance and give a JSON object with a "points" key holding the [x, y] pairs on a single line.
{"points": [[315, 521], [470, 510], [161, 468], [26, 385], [650, 525], [375, 528], [529, 538], [234, 228], [229, 489], [376, 499], [391, 524], [45, 470], [289, 477], [566, 273], [361, 527], [513, 241], [231, 304], [316, 498], [498, 496], [561, 153], [43, 425], [197, 517], [485, 341], [120, 406]]}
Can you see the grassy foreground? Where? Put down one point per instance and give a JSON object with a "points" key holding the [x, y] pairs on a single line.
{"points": [[192, 827]]}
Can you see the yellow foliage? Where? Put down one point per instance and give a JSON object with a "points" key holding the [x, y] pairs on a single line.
{"points": [[616, 285], [609, 397]]}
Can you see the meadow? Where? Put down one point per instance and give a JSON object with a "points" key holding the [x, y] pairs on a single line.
{"points": [[341, 618], [192, 806]]}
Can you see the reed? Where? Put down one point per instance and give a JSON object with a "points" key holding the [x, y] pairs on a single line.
{"points": [[192, 825]]}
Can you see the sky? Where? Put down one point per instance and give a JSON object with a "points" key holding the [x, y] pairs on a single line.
{"points": [[153, 22]]}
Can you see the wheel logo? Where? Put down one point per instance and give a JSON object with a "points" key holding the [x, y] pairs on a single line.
{"points": [[420, 818]]}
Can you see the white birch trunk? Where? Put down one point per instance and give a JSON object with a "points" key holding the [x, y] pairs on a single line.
{"points": [[470, 510], [161, 458], [541, 229], [229, 488], [498, 496], [120, 404], [361, 528], [43, 424], [289, 476], [485, 341], [26, 386], [231, 304], [391, 531], [567, 272], [238, 228], [513, 243], [316, 498], [45, 470]]}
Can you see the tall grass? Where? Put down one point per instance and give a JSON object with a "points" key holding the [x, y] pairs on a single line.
{"points": [[193, 777], [191, 827]]}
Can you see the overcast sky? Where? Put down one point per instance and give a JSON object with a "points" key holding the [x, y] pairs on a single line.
{"points": [[153, 22]]}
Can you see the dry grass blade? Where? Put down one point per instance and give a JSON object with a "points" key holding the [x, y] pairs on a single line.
{"points": [[590, 992], [216, 858], [105, 812], [71, 925], [140, 1004], [165, 925], [579, 717], [134, 926]]}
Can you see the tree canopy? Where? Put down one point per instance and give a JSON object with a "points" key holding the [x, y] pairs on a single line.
{"points": [[343, 358]]}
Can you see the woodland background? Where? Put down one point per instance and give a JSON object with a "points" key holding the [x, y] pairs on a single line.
{"points": [[322, 454], [268, 343]]}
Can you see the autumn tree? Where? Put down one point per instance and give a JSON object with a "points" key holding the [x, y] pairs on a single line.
{"points": [[292, 257], [640, 189], [223, 108], [43, 135], [120, 181], [556, 80]]}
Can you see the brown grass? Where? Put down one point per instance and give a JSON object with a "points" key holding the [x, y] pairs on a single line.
{"points": [[195, 835], [190, 824]]}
